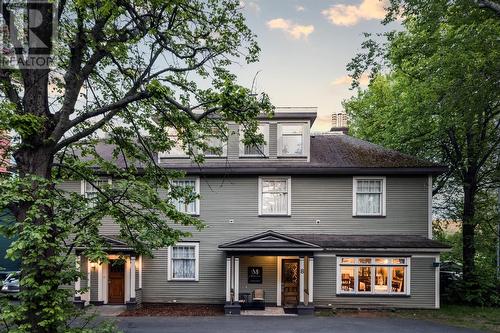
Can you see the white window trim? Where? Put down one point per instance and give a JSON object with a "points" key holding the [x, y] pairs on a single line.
{"points": [[407, 277], [266, 138], [196, 265], [289, 189], [168, 154], [305, 135], [354, 193], [224, 149], [197, 189], [84, 182], [429, 207]]}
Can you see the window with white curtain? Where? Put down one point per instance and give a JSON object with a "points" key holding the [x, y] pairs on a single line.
{"points": [[90, 190], [274, 196], [260, 150], [370, 275], [368, 196], [292, 139], [183, 262], [181, 204]]}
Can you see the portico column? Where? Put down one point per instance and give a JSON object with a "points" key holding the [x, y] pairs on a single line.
{"points": [[236, 279], [228, 280], [100, 296], [301, 281], [78, 296], [232, 306], [310, 272], [132, 279]]}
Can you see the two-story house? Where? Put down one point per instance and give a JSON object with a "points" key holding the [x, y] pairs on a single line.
{"points": [[312, 220]]}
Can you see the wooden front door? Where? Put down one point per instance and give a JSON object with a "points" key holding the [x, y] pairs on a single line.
{"points": [[290, 277], [116, 282]]}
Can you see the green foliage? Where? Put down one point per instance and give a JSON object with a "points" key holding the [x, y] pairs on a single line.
{"points": [[435, 94], [126, 74]]}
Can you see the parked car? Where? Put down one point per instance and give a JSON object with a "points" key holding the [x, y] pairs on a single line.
{"points": [[11, 283], [450, 272]]}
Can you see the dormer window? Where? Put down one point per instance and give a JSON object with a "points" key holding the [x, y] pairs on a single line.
{"points": [[217, 145], [176, 151], [292, 139], [252, 150]]}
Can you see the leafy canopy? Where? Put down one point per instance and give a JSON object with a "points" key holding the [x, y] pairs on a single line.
{"points": [[125, 72]]}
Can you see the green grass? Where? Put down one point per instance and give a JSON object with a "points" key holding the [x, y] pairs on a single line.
{"points": [[484, 319]]}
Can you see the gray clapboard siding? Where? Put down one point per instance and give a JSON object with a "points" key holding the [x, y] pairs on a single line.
{"points": [[269, 273], [422, 287], [326, 198]]}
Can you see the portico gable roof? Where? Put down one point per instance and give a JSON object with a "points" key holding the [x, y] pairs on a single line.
{"points": [[270, 241]]}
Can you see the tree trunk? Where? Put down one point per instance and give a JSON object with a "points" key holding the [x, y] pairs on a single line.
{"points": [[468, 228], [39, 264]]}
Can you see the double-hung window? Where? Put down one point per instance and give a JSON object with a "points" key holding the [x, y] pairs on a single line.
{"points": [[182, 204], [90, 190], [176, 151], [373, 275], [216, 144], [292, 139], [368, 196], [256, 150], [274, 196], [183, 262]]}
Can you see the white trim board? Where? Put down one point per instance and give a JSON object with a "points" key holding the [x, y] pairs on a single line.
{"points": [[355, 180], [197, 261], [429, 207], [289, 194]]}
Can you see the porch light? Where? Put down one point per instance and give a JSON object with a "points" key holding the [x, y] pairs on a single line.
{"points": [[93, 265]]}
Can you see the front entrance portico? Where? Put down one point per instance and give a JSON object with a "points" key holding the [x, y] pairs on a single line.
{"points": [[286, 263], [114, 281]]}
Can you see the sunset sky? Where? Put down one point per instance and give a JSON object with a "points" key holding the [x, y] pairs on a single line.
{"points": [[306, 45]]}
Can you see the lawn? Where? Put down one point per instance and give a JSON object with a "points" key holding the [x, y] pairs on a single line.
{"points": [[485, 319]]}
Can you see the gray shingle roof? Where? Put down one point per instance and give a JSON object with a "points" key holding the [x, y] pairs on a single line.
{"points": [[330, 154], [370, 241], [273, 240]]}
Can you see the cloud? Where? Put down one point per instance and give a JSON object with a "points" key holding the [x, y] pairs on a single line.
{"points": [[300, 8], [349, 15], [347, 80], [296, 31], [252, 6]]}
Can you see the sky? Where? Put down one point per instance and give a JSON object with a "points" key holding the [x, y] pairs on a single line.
{"points": [[306, 45]]}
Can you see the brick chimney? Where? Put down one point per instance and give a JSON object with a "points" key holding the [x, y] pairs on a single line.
{"points": [[339, 123]]}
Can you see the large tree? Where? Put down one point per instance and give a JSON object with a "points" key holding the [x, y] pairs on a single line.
{"points": [[435, 93], [122, 73]]}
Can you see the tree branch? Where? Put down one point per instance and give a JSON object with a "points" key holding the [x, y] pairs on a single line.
{"points": [[489, 5]]}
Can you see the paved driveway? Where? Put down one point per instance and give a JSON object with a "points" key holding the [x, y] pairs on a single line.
{"points": [[280, 325]]}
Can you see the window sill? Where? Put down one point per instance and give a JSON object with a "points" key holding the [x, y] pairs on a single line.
{"points": [[183, 280], [253, 156], [190, 214], [372, 295], [215, 156], [292, 156], [275, 215], [370, 216], [173, 157]]}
